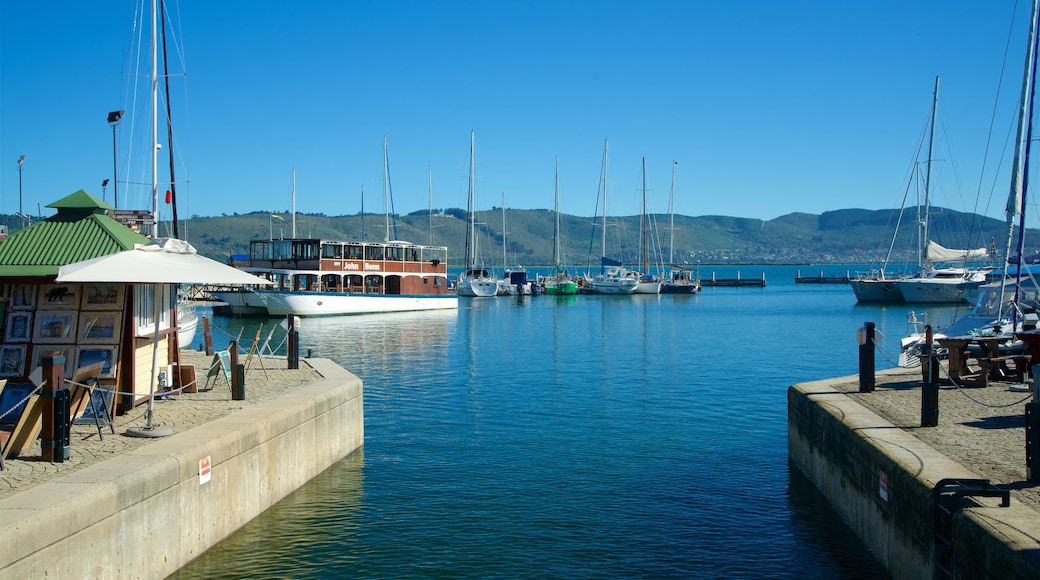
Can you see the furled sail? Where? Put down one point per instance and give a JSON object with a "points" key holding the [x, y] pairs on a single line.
{"points": [[937, 253]]}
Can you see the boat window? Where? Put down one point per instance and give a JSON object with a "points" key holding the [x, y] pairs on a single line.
{"points": [[373, 252], [332, 251], [354, 252], [394, 253]]}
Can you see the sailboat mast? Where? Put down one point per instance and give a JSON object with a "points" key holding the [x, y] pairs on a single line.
{"points": [[556, 210], [471, 233], [155, 123], [671, 223], [169, 125], [505, 256], [386, 192], [603, 245], [923, 221], [429, 176], [1031, 81], [294, 202], [642, 226], [1016, 203]]}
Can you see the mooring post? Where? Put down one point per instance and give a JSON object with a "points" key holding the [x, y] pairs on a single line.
{"points": [[207, 337], [293, 355], [55, 398], [1033, 431], [867, 379], [930, 388]]}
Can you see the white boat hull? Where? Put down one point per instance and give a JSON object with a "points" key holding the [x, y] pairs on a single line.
{"points": [[932, 291], [336, 304], [242, 302], [648, 288], [877, 290], [477, 287]]}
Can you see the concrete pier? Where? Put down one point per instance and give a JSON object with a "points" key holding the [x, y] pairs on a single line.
{"points": [[868, 455], [132, 508]]}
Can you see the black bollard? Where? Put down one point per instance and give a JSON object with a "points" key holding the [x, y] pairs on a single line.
{"points": [[867, 379], [238, 383], [293, 355], [930, 388]]}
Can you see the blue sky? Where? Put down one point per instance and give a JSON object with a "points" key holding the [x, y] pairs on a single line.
{"points": [[768, 107]]}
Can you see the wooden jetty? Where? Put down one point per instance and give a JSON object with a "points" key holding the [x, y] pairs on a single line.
{"points": [[821, 279], [732, 282]]}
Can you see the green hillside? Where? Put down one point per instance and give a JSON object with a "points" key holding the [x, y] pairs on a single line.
{"points": [[841, 236]]}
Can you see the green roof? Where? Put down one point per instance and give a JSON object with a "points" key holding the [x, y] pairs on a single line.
{"points": [[79, 231]]}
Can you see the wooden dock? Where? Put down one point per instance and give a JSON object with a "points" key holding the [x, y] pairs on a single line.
{"points": [[821, 279], [734, 282]]}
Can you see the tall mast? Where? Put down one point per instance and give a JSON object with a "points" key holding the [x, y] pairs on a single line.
{"points": [[922, 222], [471, 240], [505, 257], [429, 175], [169, 125], [294, 202], [386, 191], [671, 223], [155, 124], [1028, 86], [603, 245], [556, 210], [642, 226]]}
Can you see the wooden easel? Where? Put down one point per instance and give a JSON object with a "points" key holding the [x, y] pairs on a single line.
{"points": [[254, 349]]}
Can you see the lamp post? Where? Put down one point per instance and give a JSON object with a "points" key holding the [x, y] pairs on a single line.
{"points": [[21, 214], [104, 184], [113, 119]]}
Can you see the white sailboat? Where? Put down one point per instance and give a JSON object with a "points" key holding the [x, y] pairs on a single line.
{"points": [[649, 283], [613, 277], [946, 284], [1009, 305], [474, 282]]}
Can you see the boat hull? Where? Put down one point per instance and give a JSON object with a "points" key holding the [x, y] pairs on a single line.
{"points": [[281, 303], [869, 290], [672, 288], [477, 287], [240, 302], [648, 288], [916, 291], [558, 288]]}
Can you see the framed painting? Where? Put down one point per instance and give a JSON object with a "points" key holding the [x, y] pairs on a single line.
{"points": [[99, 327], [58, 296], [103, 296], [65, 350], [88, 355], [23, 296], [19, 326], [12, 360], [55, 326]]}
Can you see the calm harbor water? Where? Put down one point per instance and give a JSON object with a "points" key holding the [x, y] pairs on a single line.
{"points": [[577, 437]]}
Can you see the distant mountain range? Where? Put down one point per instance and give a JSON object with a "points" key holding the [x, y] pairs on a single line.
{"points": [[847, 236]]}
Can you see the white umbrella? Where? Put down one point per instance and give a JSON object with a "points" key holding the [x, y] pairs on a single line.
{"points": [[161, 261]]}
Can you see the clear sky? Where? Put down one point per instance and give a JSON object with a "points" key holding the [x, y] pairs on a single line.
{"points": [[768, 107]]}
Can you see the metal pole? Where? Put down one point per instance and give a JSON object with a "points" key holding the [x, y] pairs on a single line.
{"points": [[21, 214]]}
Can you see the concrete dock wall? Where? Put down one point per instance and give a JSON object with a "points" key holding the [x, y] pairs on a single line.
{"points": [[880, 479], [148, 513]]}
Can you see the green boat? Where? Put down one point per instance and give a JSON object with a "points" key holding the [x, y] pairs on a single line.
{"points": [[559, 283]]}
